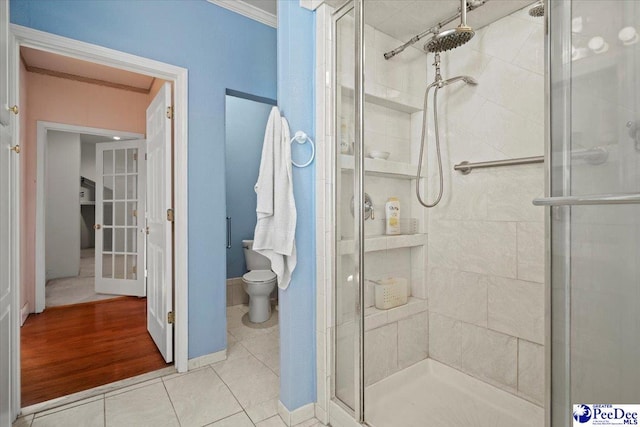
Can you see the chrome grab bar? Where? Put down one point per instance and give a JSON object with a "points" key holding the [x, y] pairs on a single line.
{"points": [[592, 156], [465, 167], [597, 199], [228, 232]]}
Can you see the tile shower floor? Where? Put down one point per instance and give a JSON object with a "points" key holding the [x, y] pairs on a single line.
{"points": [[447, 398], [240, 391]]}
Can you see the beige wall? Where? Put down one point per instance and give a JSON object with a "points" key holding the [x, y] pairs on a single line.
{"points": [[53, 99]]}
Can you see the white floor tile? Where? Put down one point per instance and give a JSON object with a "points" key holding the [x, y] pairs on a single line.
{"points": [[137, 386], [236, 350], [200, 398], [238, 420], [146, 406], [252, 390], [242, 332], [262, 343], [271, 358], [313, 422], [244, 367], [272, 422], [70, 405], [88, 415], [23, 421], [263, 410]]}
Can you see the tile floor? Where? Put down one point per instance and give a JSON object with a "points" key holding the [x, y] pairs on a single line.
{"points": [[240, 391]]}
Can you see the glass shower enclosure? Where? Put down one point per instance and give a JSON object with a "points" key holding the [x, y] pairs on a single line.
{"points": [[592, 214]]}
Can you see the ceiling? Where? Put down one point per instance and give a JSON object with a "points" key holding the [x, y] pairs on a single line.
{"points": [[39, 61], [403, 19]]}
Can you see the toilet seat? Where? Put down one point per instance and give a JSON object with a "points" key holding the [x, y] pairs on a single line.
{"points": [[259, 276]]}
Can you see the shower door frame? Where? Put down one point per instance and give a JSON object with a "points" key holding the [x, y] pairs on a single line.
{"points": [[357, 6], [557, 165]]}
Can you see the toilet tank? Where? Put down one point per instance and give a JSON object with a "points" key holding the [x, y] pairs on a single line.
{"points": [[254, 260]]}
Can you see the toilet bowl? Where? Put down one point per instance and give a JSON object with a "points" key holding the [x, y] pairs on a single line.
{"points": [[258, 283]]}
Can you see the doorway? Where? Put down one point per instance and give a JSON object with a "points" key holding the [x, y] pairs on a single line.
{"points": [[158, 317], [66, 159]]}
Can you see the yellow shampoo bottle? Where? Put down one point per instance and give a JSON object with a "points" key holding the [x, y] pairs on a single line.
{"points": [[392, 210]]}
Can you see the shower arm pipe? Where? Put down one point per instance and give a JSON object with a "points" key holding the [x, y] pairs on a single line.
{"points": [[433, 30]]}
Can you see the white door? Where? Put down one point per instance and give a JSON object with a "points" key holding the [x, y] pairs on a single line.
{"points": [[119, 227], [7, 309], [159, 226], [9, 342]]}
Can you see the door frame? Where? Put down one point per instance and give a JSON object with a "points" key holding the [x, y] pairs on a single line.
{"points": [[43, 128], [23, 36]]}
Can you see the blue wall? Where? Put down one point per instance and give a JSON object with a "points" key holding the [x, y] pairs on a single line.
{"points": [[222, 50], [296, 98], [245, 123]]}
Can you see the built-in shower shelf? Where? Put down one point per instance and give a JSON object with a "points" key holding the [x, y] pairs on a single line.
{"points": [[375, 318], [388, 98], [381, 167], [383, 243]]}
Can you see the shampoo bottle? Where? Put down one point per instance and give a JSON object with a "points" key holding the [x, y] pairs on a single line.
{"points": [[392, 210]]}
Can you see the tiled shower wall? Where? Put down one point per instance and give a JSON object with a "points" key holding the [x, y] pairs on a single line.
{"points": [[485, 251], [485, 256]]}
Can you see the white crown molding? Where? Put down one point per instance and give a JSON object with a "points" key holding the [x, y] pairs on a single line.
{"points": [[311, 4], [248, 10]]}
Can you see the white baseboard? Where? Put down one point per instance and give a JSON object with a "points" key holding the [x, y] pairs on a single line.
{"points": [[321, 414], [24, 313], [207, 359], [296, 416]]}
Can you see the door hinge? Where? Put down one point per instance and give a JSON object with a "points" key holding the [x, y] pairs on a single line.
{"points": [[171, 318], [170, 215], [147, 229], [170, 112]]}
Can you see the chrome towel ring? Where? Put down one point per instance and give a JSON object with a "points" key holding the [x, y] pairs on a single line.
{"points": [[300, 137]]}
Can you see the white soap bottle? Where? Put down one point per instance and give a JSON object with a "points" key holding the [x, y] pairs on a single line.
{"points": [[392, 210]]}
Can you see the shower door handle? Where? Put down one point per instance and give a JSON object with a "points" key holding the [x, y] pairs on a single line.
{"points": [[597, 199], [228, 232]]}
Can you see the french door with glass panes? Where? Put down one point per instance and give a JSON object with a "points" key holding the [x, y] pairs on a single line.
{"points": [[120, 222]]}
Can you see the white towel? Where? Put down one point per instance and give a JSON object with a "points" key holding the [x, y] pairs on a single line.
{"points": [[274, 236]]}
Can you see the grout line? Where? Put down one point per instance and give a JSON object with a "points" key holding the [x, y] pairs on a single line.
{"points": [[171, 401], [230, 391], [229, 416], [104, 410]]}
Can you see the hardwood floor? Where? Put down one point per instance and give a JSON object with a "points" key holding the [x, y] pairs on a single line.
{"points": [[73, 348]]}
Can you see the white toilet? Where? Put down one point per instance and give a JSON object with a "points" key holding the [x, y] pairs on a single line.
{"points": [[259, 282]]}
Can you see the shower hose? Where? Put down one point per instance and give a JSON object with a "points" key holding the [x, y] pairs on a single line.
{"points": [[423, 143]]}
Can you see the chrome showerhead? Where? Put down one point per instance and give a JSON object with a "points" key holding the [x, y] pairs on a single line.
{"points": [[470, 80], [537, 11], [449, 39], [467, 79]]}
